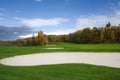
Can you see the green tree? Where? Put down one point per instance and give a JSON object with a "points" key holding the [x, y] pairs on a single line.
{"points": [[108, 24]]}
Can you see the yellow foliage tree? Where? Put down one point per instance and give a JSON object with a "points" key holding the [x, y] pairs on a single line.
{"points": [[41, 39]]}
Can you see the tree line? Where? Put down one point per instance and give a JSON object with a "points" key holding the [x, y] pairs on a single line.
{"points": [[107, 34]]}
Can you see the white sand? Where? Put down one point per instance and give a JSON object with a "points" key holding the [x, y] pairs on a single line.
{"points": [[104, 59]]}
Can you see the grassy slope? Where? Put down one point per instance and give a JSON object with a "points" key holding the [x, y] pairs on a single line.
{"points": [[63, 71]]}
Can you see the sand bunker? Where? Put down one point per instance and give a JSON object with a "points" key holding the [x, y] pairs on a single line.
{"points": [[105, 59]]}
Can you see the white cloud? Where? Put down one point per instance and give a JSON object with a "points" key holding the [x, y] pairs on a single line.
{"points": [[38, 22], [15, 33], [38, 0], [2, 9], [57, 32], [115, 20], [117, 12], [28, 35], [60, 32], [98, 20], [91, 21]]}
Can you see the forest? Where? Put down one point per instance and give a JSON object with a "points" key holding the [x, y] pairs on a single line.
{"points": [[95, 35]]}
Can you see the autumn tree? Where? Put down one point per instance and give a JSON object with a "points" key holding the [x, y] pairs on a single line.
{"points": [[41, 39]]}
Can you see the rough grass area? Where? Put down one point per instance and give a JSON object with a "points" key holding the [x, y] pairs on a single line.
{"points": [[60, 72]]}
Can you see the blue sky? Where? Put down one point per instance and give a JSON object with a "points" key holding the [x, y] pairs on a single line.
{"points": [[55, 16]]}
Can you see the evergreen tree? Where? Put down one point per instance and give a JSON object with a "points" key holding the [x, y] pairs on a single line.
{"points": [[108, 25]]}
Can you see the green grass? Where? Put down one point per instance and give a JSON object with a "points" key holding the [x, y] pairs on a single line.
{"points": [[6, 51], [90, 47], [61, 71]]}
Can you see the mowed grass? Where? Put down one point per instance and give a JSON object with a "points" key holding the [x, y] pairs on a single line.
{"points": [[6, 51], [61, 71], [89, 47]]}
